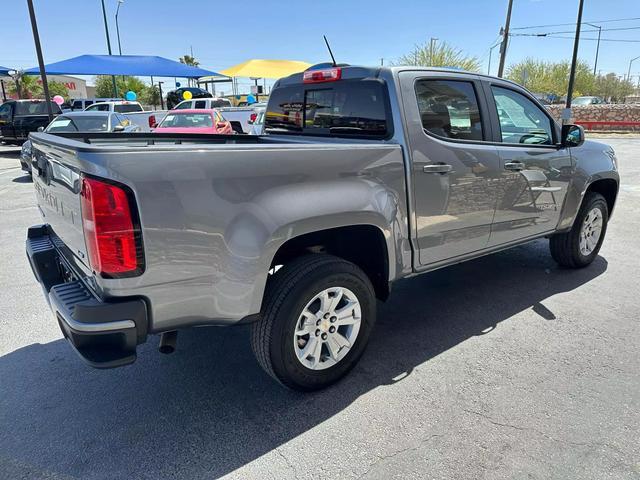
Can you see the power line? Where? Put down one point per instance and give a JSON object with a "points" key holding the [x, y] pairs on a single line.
{"points": [[619, 40], [581, 30], [565, 24]]}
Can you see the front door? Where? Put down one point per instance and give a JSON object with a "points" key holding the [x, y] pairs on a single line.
{"points": [[6, 120], [535, 170], [453, 165]]}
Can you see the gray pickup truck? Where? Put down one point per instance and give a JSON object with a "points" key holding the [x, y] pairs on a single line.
{"points": [[364, 176]]}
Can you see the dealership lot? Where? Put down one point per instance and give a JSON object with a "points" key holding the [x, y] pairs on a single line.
{"points": [[503, 367]]}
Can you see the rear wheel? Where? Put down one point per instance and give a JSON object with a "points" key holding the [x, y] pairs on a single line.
{"points": [[317, 316], [579, 246]]}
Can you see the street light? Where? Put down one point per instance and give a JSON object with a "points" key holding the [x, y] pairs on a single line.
{"points": [[106, 31], [595, 64], [120, 2], [490, 52], [629, 71]]}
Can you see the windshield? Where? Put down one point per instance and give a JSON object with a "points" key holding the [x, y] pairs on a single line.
{"points": [[35, 108], [79, 124], [187, 120], [352, 107], [583, 101]]}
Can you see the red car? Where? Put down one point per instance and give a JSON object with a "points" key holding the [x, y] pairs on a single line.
{"points": [[194, 121]]}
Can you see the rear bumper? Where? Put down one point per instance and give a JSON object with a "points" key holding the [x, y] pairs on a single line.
{"points": [[104, 333]]}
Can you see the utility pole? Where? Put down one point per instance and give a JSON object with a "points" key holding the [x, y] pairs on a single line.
{"points": [[629, 71], [490, 52], [505, 40], [120, 2], [566, 115], [43, 73], [595, 64], [106, 31]]}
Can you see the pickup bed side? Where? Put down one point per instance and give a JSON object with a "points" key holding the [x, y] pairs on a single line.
{"points": [[212, 227]]}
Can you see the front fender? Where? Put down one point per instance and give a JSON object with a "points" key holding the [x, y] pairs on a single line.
{"points": [[593, 161]]}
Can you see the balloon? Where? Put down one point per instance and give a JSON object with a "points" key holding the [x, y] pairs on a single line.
{"points": [[58, 99], [251, 99], [130, 96], [187, 95]]}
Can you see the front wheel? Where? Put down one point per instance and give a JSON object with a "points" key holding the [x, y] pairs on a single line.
{"points": [[316, 319], [579, 246]]}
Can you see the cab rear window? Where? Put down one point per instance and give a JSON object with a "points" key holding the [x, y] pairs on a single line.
{"points": [[350, 107]]}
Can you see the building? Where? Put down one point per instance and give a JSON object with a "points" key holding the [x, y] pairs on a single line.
{"points": [[77, 87]]}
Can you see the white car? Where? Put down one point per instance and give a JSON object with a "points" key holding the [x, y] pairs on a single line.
{"points": [[118, 106], [203, 103]]}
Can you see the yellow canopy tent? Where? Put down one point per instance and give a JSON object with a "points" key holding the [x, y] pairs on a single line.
{"points": [[265, 68]]}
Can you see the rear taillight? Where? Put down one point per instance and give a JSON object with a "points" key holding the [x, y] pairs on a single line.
{"points": [[152, 121], [111, 229], [252, 117], [324, 75]]}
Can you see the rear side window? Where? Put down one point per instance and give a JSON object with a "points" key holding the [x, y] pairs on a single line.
{"points": [[358, 107], [220, 103], [127, 108], [99, 107], [201, 104], [35, 108], [449, 108]]}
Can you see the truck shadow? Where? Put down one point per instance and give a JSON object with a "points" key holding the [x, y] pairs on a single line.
{"points": [[208, 409]]}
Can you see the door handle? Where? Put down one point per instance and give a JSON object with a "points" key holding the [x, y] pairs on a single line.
{"points": [[514, 166], [437, 168]]}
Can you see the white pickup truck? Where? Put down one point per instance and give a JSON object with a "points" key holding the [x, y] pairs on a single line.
{"points": [[145, 119]]}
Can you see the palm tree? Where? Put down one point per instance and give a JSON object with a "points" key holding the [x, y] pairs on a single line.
{"points": [[25, 86], [440, 55], [189, 60]]}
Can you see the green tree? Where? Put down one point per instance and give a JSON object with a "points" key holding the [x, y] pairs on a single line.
{"points": [[150, 96], [58, 88], [189, 60], [612, 88], [440, 54], [540, 76], [104, 85], [29, 86]]}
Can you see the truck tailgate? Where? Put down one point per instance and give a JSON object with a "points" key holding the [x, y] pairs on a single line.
{"points": [[57, 184]]}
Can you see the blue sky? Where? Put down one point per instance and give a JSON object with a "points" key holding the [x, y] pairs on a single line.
{"points": [[361, 32]]}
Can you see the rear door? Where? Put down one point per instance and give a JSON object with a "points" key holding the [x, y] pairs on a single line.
{"points": [[535, 171], [454, 164]]}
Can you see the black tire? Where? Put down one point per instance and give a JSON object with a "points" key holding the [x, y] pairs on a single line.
{"points": [[288, 292], [565, 247]]}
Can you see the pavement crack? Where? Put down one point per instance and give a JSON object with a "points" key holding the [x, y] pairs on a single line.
{"points": [[382, 458], [508, 425], [288, 462]]}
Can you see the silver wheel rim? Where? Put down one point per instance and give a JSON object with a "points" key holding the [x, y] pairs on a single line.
{"points": [[590, 231], [327, 328]]}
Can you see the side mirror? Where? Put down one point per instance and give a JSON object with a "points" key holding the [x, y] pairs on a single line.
{"points": [[572, 135], [118, 128], [221, 125], [40, 129]]}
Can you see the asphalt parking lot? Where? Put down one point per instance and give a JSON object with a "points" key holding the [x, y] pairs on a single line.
{"points": [[504, 367]]}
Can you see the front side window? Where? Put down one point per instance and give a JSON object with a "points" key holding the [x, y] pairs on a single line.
{"points": [[34, 107], [521, 120], [357, 108], [5, 112], [449, 108], [183, 105]]}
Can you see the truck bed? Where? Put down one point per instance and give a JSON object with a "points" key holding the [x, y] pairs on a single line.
{"points": [[214, 209]]}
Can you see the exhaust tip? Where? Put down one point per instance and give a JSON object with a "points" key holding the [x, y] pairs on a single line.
{"points": [[168, 342]]}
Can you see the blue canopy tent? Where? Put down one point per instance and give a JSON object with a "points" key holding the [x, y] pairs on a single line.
{"points": [[140, 65]]}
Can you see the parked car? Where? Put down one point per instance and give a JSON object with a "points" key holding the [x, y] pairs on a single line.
{"points": [[145, 119], [120, 106], [243, 115], [194, 121], [256, 121], [20, 117], [79, 104], [365, 176], [587, 101], [75, 122], [174, 97], [206, 103]]}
